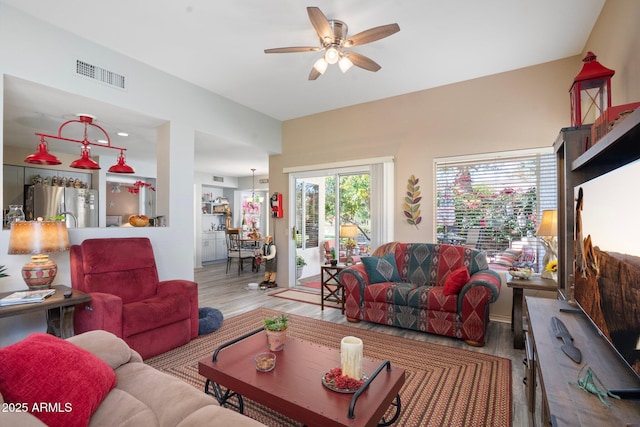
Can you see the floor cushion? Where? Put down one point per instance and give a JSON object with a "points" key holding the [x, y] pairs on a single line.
{"points": [[210, 320]]}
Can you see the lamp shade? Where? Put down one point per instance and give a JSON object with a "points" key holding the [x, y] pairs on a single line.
{"points": [[38, 238], [42, 157], [84, 162], [121, 166], [349, 231], [549, 224]]}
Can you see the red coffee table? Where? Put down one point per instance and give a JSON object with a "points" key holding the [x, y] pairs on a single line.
{"points": [[294, 388]]}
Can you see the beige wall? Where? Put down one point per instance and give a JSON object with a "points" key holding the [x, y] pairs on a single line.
{"points": [[616, 41], [515, 110], [520, 109]]}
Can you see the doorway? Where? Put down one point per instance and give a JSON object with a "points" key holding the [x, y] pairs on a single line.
{"points": [[332, 215]]}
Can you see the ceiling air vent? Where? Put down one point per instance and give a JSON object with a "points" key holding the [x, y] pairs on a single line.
{"points": [[218, 179], [100, 74]]}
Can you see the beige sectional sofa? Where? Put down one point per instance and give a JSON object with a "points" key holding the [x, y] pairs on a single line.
{"points": [[142, 396]]}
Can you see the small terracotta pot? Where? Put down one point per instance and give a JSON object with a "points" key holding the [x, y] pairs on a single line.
{"points": [[276, 339]]}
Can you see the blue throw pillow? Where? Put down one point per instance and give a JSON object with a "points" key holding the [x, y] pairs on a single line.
{"points": [[381, 268]]}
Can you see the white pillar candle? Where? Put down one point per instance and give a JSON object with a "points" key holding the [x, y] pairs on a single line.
{"points": [[351, 357]]}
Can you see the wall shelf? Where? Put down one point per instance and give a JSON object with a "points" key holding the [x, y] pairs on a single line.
{"points": [[576, 166], [617, 148]]}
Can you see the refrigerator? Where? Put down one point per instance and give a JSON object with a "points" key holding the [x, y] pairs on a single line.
{"points": [[80, 205]]}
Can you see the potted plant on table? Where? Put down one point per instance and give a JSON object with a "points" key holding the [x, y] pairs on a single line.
{"points": [[333, 261], [276, 328], [300, 263]]}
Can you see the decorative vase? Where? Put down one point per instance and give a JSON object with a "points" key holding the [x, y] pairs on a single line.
{"points": [[39, 273], [15, 214], [276, 339]]}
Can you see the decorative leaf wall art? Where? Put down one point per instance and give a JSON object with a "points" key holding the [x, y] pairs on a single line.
{"points": [[412, 202]]}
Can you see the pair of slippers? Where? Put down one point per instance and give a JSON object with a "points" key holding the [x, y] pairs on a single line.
{"points": [[268, 285]]}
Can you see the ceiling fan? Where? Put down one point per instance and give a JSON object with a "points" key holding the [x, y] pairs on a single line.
{"points": [[333, 38]]}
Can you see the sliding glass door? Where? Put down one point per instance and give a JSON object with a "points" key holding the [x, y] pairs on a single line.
{"points": [[332, 215]]}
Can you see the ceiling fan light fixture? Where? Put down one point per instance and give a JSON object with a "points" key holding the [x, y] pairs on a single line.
{"points": [[332, 55], [321, 65], [345, 64]]}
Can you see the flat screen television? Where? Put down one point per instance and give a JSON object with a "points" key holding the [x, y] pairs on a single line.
{"points": [[608, 291]]}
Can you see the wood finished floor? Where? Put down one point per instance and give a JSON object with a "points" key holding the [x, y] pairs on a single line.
{"points": [[229, 294]]}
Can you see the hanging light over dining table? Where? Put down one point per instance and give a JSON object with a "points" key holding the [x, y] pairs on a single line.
{"points": [[44, 157]]}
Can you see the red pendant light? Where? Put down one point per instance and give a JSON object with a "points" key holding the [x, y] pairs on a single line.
{"points": [[84, 162], [121, 166], [42, 157]]}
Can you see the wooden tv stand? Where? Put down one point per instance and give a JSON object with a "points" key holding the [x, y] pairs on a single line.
{"points": [[564, 404]]}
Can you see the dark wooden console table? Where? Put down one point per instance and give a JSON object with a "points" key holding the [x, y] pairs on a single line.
{"points": [[59, 310], [562, 403]]}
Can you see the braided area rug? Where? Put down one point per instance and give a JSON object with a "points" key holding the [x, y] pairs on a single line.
{"points": [[444, 386]]}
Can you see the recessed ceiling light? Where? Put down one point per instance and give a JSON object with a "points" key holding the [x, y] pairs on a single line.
{"points": [[122, 134], [102, 141]]}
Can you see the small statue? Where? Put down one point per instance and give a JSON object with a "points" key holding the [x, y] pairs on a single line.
{"points": [[268, 255], [587, 384]]}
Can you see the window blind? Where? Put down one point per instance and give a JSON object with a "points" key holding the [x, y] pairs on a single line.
{"points": [[496, 200]]}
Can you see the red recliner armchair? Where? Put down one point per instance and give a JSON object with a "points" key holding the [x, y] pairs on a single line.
{"points": [[127, 297]]}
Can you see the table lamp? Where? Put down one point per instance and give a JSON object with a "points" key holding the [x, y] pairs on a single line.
{"points": [[547, 231], [349, 232], [38, 238]]}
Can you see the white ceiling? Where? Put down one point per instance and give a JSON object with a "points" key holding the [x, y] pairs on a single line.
{"points": [[219, 46]]}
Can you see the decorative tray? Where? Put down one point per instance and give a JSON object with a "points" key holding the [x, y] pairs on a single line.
{"points": [[329, 381]]}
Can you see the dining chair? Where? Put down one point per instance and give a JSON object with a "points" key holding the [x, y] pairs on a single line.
{"points": [[235, 250]]}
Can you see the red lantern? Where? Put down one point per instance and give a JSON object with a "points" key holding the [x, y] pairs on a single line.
{"points": [[591, 92]]}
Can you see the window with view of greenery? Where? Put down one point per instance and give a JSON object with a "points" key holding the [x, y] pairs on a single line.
{"points": [[501, 196], [353, 200]]}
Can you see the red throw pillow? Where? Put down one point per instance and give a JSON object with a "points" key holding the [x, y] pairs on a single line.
{"points": [[456, 280], [56, 381]]}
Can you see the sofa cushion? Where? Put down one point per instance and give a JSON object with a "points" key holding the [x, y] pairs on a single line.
{"points": [[455, 281], [61, 383], [432, 299], [109, 348], [508, 257], [122, 409], [388, 292], [123, 266], [154, 312], [381, 269]]}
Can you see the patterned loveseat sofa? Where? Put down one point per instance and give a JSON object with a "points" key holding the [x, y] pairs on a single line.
{"points": [[440, 289]]}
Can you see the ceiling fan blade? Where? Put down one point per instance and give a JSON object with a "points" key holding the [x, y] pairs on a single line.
{"points": [[293, 49], [363, 62], [372, 34], [314, 74], [320, 23]]}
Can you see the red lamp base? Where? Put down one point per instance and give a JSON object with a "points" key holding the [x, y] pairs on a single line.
{"points": [[40, 272]]}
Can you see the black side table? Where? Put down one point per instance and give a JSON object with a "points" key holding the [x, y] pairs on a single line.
{"points": [[330, 283]]}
